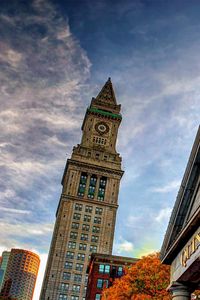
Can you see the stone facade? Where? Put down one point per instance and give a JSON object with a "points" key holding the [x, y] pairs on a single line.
{"points": [[86, 214]]}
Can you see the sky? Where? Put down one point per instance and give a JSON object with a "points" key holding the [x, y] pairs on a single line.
{"points": [[54, 57]]}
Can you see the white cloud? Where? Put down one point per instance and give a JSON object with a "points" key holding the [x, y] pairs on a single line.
{"points": [[15, 211], [43, 83], [124, 246], [171, 186], [163, 215]]}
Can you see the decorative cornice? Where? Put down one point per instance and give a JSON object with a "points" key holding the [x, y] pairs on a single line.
{"points": [[93, 201], [89, 166]]}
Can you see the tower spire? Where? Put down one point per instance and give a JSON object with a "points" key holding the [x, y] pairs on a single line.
{"points": [[106, 98], [107, 93]]}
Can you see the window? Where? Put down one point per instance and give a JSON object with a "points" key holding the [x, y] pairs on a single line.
{"points": [[101, 283], [70, 255], [84, 237], [73, 235], [87, 218], [94, 238], [107, 269], [102, 187], [68, 265], [85, 227], [120, 271], [93, 248], [92, 186], [104, 269], [99, 140], [98, 297], [95, 229], [81, 256], [98, 210], [82, 246], [75, 225], [86, 278], [76, 288], [79, 267], [88, 208], [64, 287], [77, 277], [74, 297], [76, 216], [97, 220], [72, 245], [78, 206], [62, 297], [82, 184], [66, 276]]}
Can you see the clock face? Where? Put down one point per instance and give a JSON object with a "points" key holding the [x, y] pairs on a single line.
{"points": [[101, 127]]}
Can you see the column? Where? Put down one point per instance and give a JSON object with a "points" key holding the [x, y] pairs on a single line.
{"points": [[179, 291]]}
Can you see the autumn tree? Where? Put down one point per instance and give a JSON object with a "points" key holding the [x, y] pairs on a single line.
{"points": [[147, 279]]}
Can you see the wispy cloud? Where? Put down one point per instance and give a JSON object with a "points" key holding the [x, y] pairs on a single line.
{"points": [[124, 247], [163, 215], [13, 210], [43, 79], [43, 82], [171, 186]]}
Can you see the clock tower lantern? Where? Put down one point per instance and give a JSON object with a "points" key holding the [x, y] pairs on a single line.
{"points": [[86, 214]]}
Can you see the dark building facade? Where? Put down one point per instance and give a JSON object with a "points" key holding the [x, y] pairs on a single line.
{"points": [[20, 275], [103, 269], [181, 246], [86, 214]]}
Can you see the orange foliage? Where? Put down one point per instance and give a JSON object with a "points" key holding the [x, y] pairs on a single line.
{"points": [[145, 280]]}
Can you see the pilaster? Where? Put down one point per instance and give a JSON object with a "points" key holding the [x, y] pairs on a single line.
{"points": [[179, 291]]}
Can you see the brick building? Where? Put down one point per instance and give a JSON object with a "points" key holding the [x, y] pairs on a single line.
{"points": [[103, 269]]}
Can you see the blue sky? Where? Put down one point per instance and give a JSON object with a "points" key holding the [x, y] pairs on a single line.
{"points": [[55, 56]]}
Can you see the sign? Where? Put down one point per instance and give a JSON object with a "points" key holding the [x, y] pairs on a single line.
{"points": [[190, 249]]}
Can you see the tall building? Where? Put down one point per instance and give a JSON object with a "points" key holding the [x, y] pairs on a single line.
{"points": [[4, 262], [86, 214], [20, 275], [103, 269]]}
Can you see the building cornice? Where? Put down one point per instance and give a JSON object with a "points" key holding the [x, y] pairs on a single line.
{"points": [[179, 228]]}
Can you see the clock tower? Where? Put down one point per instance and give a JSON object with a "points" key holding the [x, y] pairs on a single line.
{"points": [[86, 214]]}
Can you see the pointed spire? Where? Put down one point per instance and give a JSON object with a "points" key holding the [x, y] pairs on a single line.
{"points": [[106, 100], [107, 94]]}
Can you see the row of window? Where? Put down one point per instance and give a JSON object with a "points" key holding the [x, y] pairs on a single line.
{"points": [[105, 269], [76, 277], [86, 218], [65, 297], [72, 245], [69, 265], [86, 227], [83, 237], [99, 140], [88, 208], [71, 255], [92, 186], [64, 287], [102, 283]]}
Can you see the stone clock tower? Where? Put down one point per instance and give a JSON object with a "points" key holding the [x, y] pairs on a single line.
{"points": [[86, 214]]}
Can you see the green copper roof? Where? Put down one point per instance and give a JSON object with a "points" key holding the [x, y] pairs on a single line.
{"points": [[104, 113]]}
